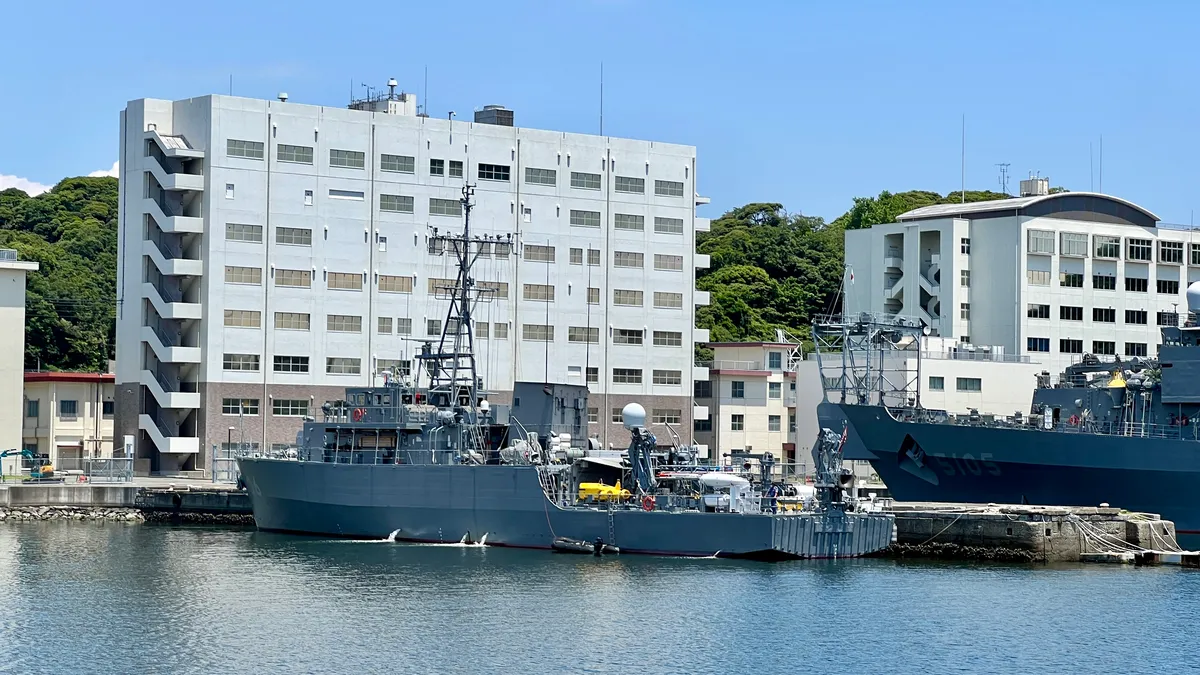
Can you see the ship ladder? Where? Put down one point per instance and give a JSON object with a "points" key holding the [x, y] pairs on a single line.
{"points": [[612, 530]]}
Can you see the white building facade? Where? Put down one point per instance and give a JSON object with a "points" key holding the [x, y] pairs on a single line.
{"points": [[12, 353], [273, 253], [1052, 277], [68, 417]]}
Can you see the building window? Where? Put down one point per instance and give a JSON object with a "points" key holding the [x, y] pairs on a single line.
{"points": [[626, 221], [536, 332], [244, 362], [293, 278], [68, 408], [290, 364], [243, 149], [668, 377], [585, 218], [1135, 349], [1038, 311], [627, 298], [1067, 346], [541, 176], [593, 415], [1068, 313], [666, 416], [627, 375], [229, 188], [1138, 249], [397, 367], [616, 416], [792, 422], [538, 293], [668, 188], [394, 284], [585, 181], [1194, 251], [536, 253], [294, 154], [1170, 252], [343, 323], [397, 163], [291, 321], [437, 167], [702, 389], [1036, 344], [1041, 242], [775, 390], [1136, 285], [239, 406], [1073, 244], [670, 263], [32, 408], [594, 257], [593, 374], [481, 329], [627, 336], [668, 300], [668, 225], [1104, 282], [968, 384], [107, 408], [286, 407], [1135, 316], [500, 330], [964, 278], [775, 360], [308, 197], [340, 365], [1168, 286], [1070, 280], [347, 159], [627, 259], [396, 203], [576, 256], [248, 233], [345, 281], [702, 426], [403, 326], [243, 318], [737, 422], [593, 296], [352, 195], [456, 169], [964, 310], [1104, 347], [1106, 246], [433, 327], [666, 338], [1168, 319], [293, 236], [1038, 277], [493, 172], [774, 422], [1104, 315], [737, 389], [937, 383], [498, 289], [243, 275], [630, 185], [964, 245], [583, 334], [445, 207]]}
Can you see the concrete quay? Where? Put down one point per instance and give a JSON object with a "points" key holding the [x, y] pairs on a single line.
{"points": [[1023, 533], [154, 499]]}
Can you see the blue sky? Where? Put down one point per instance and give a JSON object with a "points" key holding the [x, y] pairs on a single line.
{"points": [[805, 103]]}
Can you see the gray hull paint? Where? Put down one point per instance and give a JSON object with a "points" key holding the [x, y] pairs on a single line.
{"points": [[983, 464], [443, 503]]}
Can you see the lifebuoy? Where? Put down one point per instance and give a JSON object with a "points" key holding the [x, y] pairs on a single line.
{"points": [[1073, 420], [1184, 421], [647, 503], [359, 414]]}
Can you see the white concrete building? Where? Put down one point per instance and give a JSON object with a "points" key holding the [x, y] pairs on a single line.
{"points": [[68, 416], [1052, 276], [12, 352], [273, 253]]}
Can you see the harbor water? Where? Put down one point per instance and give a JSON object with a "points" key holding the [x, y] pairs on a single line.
{"points": [[121, 598]]}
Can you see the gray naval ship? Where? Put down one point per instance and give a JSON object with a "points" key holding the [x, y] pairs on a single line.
{"points": [[429, 459], [1125, 433]]}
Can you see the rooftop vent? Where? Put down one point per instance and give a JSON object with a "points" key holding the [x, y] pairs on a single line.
{"points": [[494, 114], [1035, 186]]}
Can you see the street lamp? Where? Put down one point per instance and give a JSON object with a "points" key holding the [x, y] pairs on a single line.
{"points": [[229, 444]]}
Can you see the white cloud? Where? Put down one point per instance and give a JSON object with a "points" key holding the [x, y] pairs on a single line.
{"points": [[31, 188], [113, 172]]}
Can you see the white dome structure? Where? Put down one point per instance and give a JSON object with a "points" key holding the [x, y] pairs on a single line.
{"points": [[1193, 297], [633, 415]]}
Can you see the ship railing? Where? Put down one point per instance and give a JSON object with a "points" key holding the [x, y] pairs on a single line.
{"points": [[1130, 429]]}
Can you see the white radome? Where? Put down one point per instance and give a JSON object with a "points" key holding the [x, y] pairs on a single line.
{"points": [[633, 415], [1193, 297]]}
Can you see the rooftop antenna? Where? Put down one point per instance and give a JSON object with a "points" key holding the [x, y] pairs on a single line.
{"points": [[392, 88], [231, 84], [1100, 186], [1004, 176], [601, 98], [963, 167], [425, 95], [1091, 169]]}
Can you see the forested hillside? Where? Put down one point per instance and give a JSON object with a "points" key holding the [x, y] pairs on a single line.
{"points": [[70, 304]]}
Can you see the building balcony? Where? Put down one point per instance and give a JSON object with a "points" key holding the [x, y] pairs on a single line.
{"points": [[174, 181], [164, 441], [701, 201], [702, 299], [725, 364], [703, 224], [699, 373], [173, 146], [172, 224], [700, 335], [703, 261], [167, 352], [171, 266], [168, 309], [893, 262], [166, 398]]}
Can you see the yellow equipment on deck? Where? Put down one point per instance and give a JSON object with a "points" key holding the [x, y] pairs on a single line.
{"points": [[601, 492]]}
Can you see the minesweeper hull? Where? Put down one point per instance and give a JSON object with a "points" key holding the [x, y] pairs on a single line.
{"points": [[988, 464], [432, 503]]}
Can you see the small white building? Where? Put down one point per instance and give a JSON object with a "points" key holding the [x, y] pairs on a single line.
{"points": [[12, 352], [1052, 276], [68, 416]]}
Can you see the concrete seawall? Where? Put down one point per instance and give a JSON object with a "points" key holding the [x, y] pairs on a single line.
{"points": [[197, 502]]}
